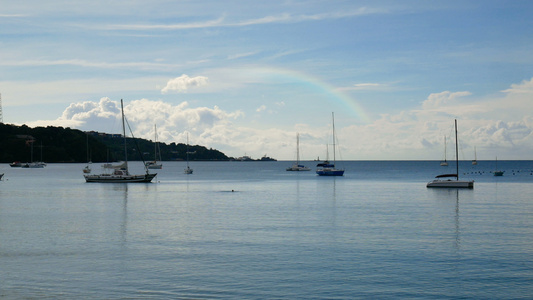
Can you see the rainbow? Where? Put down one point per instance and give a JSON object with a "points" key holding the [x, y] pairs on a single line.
{"points": [[316, 84]]}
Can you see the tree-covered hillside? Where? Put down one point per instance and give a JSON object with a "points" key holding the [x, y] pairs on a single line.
{"points": [[58, 144]]}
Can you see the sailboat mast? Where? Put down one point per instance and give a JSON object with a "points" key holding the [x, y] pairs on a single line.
{"points": [[187, 152], [124, 133], [456, 152], [444, 148], [155, 142], [333, 127], [87, 136], [298, 148]]}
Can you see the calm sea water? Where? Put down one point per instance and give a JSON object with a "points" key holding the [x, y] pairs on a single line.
{"points": [[251, 230]]}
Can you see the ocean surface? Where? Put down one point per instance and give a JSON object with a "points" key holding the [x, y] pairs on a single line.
{"points": [[251, 230]]}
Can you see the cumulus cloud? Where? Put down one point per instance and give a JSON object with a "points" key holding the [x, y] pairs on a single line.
{"points": [[438, 100], [105, 108], [494, 124], [184, 83], [261, 108], [173, 121], [500, 124], [525, 87]]}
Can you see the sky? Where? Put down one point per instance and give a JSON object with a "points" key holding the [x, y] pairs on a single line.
{"points": [[245, 77]]}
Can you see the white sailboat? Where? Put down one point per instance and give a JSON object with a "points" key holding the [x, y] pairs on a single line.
{"points": [[444, 181], [326, 168], [121, 173], [188, 170], [445, 162], [297, 166], [157, 154], [32, 164], [87, 168], [474, 162]]}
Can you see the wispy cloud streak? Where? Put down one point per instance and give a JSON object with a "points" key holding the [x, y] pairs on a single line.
{"points": [[90, 64], [223, 22]]}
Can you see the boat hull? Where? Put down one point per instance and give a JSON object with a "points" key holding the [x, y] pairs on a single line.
{"points": [[109, 178], [298, 168], [154, 167], [469, 184], [330, 172]]}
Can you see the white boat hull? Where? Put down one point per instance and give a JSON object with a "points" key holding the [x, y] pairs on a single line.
{"points": [[437, 183], [154, 167], [298, 168]]}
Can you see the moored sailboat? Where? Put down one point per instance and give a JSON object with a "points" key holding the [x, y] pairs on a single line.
{"points": [[445, 162], [474, 162], [326, 168], [444, 181], [121, 174], [157, 154], [188, 170], [497, 172], [297, 166], [32, 164], [87, 168]]}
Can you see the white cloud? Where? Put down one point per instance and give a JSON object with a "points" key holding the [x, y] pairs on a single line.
{"points": [[497, 124], [525, 87], [261, 108], [439, 100], [501, 125], [183, 83], [88, 109], [172, 120], [363, 87]]}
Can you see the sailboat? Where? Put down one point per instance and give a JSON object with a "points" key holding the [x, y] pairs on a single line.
{"points": [[326, 168], [121, 173], [474, 162], [441, 182], [32, 164], [497, 172], [157, 151], [188, 170], [296, 166], [87, 168], [445, 162]]}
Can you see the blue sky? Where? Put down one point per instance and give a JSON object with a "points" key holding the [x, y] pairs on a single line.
{"points": [[245, 77]]}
